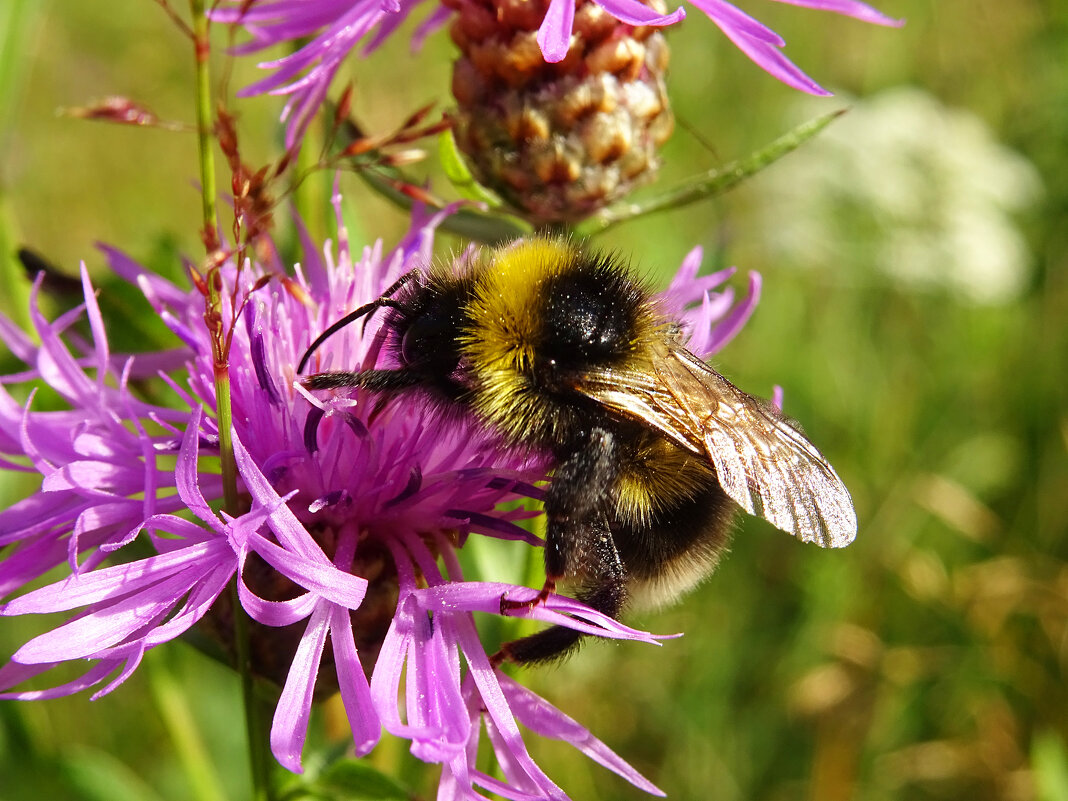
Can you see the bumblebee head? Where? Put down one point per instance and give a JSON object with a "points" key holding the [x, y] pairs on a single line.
{"points": [[424, 328]]}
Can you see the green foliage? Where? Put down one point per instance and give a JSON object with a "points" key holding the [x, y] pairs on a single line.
{"points": [[353, 780], [459, 174]]}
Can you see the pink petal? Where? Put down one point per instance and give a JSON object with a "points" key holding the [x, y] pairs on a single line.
{"points": [[633, 12], [541, 717], [96, 631], [14, 673], [850, 8], [290, 725], [321, 578], [355, 691], [554, 35]]}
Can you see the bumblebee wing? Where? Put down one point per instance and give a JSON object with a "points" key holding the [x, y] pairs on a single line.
{"points": [[762, 462]]}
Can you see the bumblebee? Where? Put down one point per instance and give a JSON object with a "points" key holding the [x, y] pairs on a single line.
{"points": [[562, 350]]}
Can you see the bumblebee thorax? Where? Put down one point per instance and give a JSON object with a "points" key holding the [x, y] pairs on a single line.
{"points": [[543, 312]]}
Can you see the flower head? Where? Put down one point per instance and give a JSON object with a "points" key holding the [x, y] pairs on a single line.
{"points": [[344, 547], [334, 28]]}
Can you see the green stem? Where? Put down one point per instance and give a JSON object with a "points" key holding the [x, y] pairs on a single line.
{"points": [[202, 55], [205, 141], [714, 182], [255, 730], [258, 744], [226, 440], [20, 23]]}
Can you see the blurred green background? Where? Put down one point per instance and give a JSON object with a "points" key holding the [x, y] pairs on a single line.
{"points": [[914, 262]]}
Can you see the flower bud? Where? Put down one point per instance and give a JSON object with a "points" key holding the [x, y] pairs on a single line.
{"points": [[558, 141]]}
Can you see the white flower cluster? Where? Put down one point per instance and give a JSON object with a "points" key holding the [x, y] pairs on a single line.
{"points": [[912, 188]]}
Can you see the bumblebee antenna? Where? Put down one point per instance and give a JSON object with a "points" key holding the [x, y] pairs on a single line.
{"points": [[367, 309]]}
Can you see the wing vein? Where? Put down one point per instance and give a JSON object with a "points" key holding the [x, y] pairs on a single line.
{"points": [[762, 462]]}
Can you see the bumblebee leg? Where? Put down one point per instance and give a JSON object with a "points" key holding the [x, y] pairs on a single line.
{"points": [[606, 594], [375, 380], [578, 542], [574, 498]]}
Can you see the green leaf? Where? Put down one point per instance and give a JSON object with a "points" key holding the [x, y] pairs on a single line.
{"points": [[172, 704], [354, 780], [456, 170], [709, 184], [14, 285], [489, 229]]}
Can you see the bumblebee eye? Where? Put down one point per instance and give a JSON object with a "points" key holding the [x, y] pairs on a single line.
{"points": [[430, 341], [414, 342]]}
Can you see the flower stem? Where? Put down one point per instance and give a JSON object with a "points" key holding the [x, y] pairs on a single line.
{"points": [[258, 743], [202, 54], [205, 141], [226, 441]]}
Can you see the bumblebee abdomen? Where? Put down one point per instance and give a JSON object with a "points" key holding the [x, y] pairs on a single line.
{"points": [[672, 520]]}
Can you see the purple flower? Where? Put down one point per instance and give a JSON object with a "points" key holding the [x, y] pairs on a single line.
{"points": [[350, 517], [335, 27]]}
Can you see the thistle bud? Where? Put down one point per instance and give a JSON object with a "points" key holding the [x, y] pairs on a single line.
{"points": [[558, 141]]}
